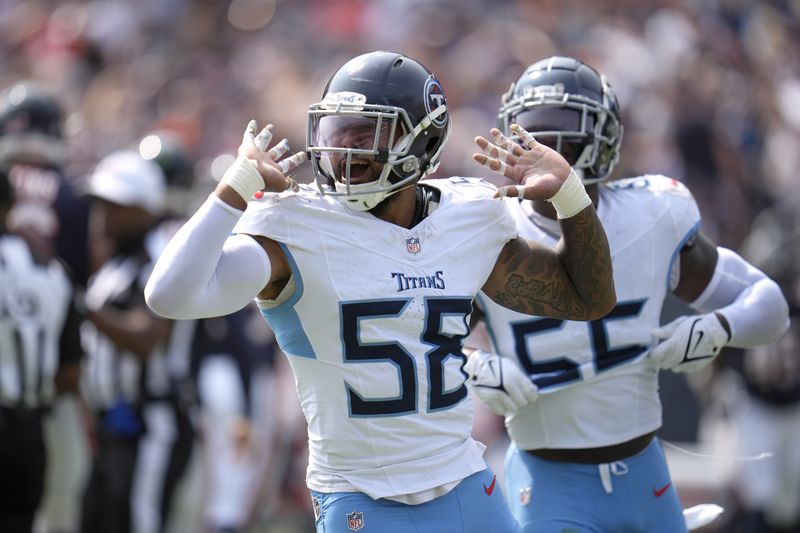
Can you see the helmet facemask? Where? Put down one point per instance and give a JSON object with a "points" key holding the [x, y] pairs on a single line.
{"points": [[364, 153], [582, 129]]}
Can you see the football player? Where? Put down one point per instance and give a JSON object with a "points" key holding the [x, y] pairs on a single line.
{"points": [[368, 279], [584, 453]]}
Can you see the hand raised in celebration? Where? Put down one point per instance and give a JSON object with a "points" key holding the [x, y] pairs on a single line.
{"points": [[539, 170], [257, 168], [269, 164]]}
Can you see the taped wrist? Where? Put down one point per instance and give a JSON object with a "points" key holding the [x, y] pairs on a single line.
{"points": [[571, 198], [243, 177]]}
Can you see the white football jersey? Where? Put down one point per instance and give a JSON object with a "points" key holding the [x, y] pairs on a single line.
{"points": [[597, 388], [372, 321]]}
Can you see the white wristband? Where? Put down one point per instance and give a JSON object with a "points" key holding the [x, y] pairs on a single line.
{"points": [[243, 177], [571, 198]]}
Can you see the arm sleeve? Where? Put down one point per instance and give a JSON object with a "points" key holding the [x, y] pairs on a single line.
{"points": [[205, 271], [752, 303]]}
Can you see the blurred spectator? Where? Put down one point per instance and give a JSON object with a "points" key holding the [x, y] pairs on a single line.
{"points": [[48, 209], [39, 345], [140, 428]]}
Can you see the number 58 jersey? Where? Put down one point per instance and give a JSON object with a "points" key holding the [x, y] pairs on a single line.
{"points": [[372, 321], [597, 387]]}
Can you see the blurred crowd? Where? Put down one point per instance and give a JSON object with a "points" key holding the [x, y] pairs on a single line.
{"points": [[709, 90]]}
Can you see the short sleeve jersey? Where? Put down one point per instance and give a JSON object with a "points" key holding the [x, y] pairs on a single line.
{"points": [[596, 386], [372, 322]]}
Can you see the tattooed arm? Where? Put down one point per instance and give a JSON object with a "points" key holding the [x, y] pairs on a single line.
{"points": [[573, 281]]}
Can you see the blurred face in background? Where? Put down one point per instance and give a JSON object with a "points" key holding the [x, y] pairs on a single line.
{"points": [[123, 224]]}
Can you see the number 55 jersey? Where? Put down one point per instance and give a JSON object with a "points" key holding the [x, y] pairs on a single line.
{"points": [[372, 321], [597, 387]]}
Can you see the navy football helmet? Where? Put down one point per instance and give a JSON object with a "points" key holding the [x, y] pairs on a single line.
{"points": [[30, 125], [381, 125], [569, 106]]}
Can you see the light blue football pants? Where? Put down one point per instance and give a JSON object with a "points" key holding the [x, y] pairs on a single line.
{"points": [[476, 505], [634, 495]]}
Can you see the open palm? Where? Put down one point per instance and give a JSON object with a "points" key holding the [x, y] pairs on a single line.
{"points": [[539, 170]]}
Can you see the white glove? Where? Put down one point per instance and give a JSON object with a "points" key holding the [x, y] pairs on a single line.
{"points": [[500, 383], [689, 343]]}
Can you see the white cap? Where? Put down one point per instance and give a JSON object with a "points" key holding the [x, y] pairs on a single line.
{"points": [[126, 178]]}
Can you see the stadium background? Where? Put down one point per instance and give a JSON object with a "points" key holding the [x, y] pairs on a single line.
{"points": [[710, 93]]}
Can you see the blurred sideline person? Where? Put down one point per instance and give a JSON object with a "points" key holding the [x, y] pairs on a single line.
{"points": [[140, 447], [39, 347], [33, 152], [765, 410], [237, 391], [369, 286], [584, 453], [53, 218], [225, 376]]}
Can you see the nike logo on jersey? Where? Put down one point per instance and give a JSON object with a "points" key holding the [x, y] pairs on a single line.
{"points": [[405, 283], [490, 489], [660, 492]]}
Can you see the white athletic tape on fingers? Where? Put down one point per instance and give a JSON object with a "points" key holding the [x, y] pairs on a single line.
{"points": [[509, 145], [292, 162], [250, 130], [495, 152], [278, 150], [503, 168], [243, 177], [500, 139], [520, 191], [571, 198], [488, 163], [263, 139], [523, 134]]}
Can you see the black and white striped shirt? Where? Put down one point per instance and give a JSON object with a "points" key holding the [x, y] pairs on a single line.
{"points": [[113, 374], [39, 327]]}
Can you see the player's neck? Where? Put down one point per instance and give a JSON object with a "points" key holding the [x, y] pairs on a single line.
{"points": [[399, 208], [546, 209]]}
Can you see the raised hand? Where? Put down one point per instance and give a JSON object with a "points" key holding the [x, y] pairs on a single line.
{"points": [[268, 162], [539, 170]]}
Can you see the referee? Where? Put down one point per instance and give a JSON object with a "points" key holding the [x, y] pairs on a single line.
{"points": [[39, 337]]}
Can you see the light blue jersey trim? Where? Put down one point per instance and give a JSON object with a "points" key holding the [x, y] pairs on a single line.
{"points": [[691, 233], [284, 320], [489, 332]]}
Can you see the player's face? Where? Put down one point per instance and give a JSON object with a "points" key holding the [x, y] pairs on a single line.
{"points": [[567, 123], [357, 133]]}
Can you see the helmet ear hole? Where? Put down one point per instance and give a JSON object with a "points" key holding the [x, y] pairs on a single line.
{"points": [[433, 142]]}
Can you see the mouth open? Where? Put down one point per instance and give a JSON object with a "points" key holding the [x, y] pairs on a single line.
{"points": [[361, 171]]}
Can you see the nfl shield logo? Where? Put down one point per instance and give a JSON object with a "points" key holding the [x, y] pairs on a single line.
{"points": [[355, 520], [525, 496], [413, 246]]}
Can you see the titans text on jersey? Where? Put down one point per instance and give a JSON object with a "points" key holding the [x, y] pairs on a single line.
{"points": [[377, 364]]}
